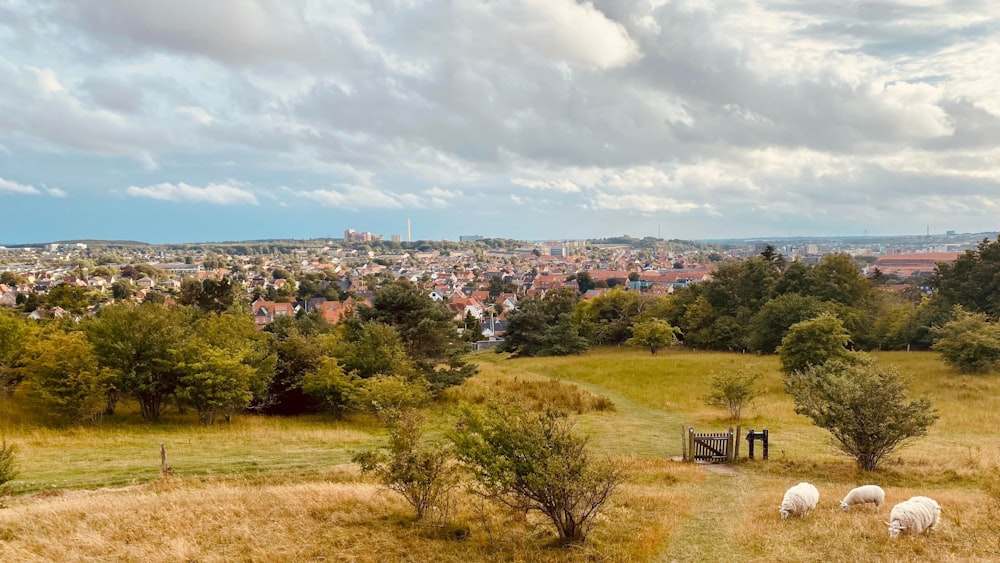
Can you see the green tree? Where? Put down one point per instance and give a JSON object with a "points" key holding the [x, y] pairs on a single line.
{"points": [[14, 335], [121, 290], [226, 364], [585, 282], [11, 279], [332, 388], [544, 327], [772, 322], [69, 297], [814, 342], [733, 390], [653, 334], [837, 278], [213, 296], [8, 463], [534, 461], [140, 345], [607, 319], [374, 349], [864, 406], [969, 342], [419, 470], [61, 368], [973, 280]]}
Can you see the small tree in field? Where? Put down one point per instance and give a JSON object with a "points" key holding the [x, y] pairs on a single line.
{"points": [[863, 405], [8, 467], [733, 390], [422, 472], [969, 342], [653, 334], [533, 461], [814, 342]]}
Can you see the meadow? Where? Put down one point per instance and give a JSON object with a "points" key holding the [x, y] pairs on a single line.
{"points": [[283, 489]]}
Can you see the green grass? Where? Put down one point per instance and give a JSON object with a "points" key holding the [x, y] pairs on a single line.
{"points": [[667, 511]]}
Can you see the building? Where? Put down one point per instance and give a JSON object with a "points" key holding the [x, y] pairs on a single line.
{"points": [[470, 238], [913, 263]]}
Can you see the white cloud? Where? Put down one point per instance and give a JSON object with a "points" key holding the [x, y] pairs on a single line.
{"points": [[195, 113], [357, 197], [56, 192], [8, 186], [216, 194]]}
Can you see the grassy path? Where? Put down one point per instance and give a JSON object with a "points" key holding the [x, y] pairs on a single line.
{"points": [[705, 533]]}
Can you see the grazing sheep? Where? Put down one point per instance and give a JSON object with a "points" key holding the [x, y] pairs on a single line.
{"points": [[799, 500], [915, 516], [864, 494]]}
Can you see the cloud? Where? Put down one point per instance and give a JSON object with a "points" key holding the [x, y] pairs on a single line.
{"points": [[216, 194], [196, 114], [56, 192], [356, 198], [8, 186]]}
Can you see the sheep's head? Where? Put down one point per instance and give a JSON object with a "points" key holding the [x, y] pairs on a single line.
{"points": [[844, 505], [894, 529], [783, 512]]}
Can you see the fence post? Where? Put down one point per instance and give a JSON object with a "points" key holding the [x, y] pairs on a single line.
{"points": [[691, 442], [684, 444], [765, 443], [730, 444], [750, 442], [736, 448]]}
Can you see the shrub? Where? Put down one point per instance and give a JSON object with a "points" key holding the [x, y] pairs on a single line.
{"points": [[533, 461], [969, 342], [863, 405], [653, 334], [534, 394], [8, 465], [814, 342], [733, 391], [422, 472], [386, 397]]}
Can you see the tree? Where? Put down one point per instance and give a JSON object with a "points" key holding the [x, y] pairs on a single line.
{"points": [[213, 296], [653, 334], [837, 278], [69, 297], [607, 319], [140, 345], [226, 364], [584, 282], [533, 461], [62, 369], [814, 342], [772, 322], [121, 290], [544, 327], [8, 463], [973, 280], [14, 334], [420, 471], [969, 342], [330, 386], [864, 406], [733, 390], [375, 349]]}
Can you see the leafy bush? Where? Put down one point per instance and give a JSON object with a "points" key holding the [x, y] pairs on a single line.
{"points": [[422, 472], [387, 396], [533, 461], [863, 405], [814, 342], [733, 390], [969, 342], [8, 465], [653, 334]]}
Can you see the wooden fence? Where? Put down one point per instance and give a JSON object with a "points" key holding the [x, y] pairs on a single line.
{"points": [[711, 446]]}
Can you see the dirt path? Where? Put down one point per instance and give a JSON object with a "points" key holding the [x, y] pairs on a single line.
{"points": [[704, 534]]}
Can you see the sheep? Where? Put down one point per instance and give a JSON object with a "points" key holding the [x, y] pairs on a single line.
{"points": [[918, 515], [799, 500], [862, 495]]}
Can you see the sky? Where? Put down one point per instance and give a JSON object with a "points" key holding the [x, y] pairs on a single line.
{"points": [[220, 120]]}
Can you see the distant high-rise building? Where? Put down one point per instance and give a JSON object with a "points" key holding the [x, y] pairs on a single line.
{"points": [[396, 238], [470, 238]]}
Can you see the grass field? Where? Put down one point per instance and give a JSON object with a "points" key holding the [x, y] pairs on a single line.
{"points": [[275, 489]]}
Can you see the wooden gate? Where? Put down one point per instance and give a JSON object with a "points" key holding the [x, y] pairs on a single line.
{"points": [[711, 446]]}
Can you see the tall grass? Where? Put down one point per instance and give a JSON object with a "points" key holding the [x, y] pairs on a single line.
{"points": [[275, 489]]}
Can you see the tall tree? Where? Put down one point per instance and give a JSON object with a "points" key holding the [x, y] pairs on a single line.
{"points": [[973, 280], [62, 369], [139, 344], [814, 342], [14, 334]]}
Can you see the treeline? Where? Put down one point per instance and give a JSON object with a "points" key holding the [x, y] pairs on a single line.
{"points": [[750, 306], [211, 358]]}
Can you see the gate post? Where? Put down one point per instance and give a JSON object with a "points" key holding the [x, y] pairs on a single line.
{"points": [[765, 443]]}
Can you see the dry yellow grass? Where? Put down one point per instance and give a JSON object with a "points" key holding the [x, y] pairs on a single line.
{"points": [[281, 490]]}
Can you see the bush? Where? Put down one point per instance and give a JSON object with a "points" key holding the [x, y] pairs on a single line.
{"points": [[533, 461], [733, 391], [969, 342], [863, 405], [8, 465], [534, 394], [386, 397], [421, 472], [653, 334], [814, 342]]}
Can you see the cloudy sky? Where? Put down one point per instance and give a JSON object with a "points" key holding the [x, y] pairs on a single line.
{"points": [[213, 120]]}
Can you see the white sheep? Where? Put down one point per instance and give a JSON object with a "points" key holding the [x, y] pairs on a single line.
{"points": [[862, 495], [918, 515], [799, 500]]}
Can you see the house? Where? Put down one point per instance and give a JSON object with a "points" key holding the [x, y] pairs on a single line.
{"points": [[145, 282], [264, 312], [8, 298]]}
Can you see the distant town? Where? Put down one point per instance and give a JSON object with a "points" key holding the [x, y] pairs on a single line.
{"points": [[478, 277]]}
